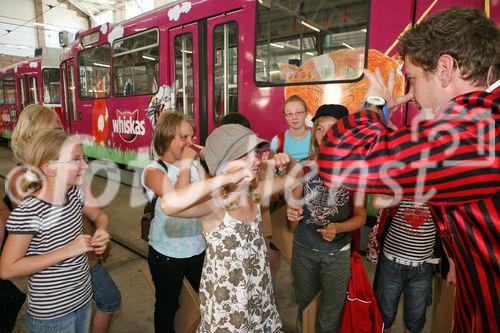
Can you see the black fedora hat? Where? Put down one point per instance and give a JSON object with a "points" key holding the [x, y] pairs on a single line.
{"points": [[333, 110]]}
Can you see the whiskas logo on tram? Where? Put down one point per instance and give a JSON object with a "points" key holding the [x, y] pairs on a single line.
{"points": [[127, 126]]}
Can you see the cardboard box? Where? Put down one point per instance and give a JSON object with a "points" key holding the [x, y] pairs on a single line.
{"points": [[282, 230], [442, 312], [309, 322], [188, 315]]}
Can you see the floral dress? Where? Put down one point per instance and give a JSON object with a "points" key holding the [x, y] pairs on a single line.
{"points": [[236, 294]]}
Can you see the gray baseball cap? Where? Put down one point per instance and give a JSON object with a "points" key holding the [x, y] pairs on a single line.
{"points": [[227, 143]]}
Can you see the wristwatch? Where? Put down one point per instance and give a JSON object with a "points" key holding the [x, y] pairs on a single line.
{"points": [[377, 103]]}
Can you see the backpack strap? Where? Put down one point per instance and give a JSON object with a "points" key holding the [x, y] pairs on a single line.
{"points": [[155, 196], [280, 147], [160, 162]]}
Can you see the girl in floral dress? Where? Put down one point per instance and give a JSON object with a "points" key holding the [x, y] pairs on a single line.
{"points": [[236, 293]]}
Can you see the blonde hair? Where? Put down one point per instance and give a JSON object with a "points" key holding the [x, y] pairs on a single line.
{"points": [[44, 147], [32, 119], [167, 126], [294, 98]]}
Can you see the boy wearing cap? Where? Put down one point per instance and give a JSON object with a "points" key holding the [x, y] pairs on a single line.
{"points": [[321, 247], [236, 294]]}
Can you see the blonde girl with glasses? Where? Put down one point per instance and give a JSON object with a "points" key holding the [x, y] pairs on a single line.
{"points": [[295, 139], [33, 119], [295, 142], [45, 236]]}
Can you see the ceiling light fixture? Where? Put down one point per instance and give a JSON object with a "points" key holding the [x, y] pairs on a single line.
{"points": [[15, 46], [310, 26], [348, 46], [101, 65]]}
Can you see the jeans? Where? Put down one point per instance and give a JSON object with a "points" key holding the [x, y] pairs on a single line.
{"points": [[106, 294], [77, 321], [416, 283], [167, 273], [328, 273]]}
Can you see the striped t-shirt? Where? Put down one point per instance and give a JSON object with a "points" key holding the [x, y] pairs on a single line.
{"points": [[412, 232], [64, 287]]}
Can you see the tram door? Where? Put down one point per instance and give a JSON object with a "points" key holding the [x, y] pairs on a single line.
{"points": [[222, 66], [204, 69], [73, 118], [183, 70]]}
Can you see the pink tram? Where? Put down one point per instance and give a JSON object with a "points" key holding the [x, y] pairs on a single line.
{"points": [[207, 58], [31, 81]]}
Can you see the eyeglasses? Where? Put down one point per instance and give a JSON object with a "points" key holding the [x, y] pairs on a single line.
{"points": [[75, 161], [294, 114]]}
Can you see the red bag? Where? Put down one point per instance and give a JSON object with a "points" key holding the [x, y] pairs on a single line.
{"points": [[361, 313]]}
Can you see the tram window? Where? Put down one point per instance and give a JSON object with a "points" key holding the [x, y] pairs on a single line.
{"points": [[33, 92], [1, 91], [184, 74], [225, 71], [72, 92], [51, 86], [307, 41], [136, 64], [9, 90], [94, 72], [22, 91]]}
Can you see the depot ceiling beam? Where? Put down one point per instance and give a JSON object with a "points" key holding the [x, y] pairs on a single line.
{"points": [[70, 6], [40, 32], [102, 2], [84, 9]]}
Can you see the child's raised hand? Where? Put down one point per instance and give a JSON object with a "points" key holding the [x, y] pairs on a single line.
{"points": [[79, 245], [281, 161], [238, 172], [104, 255], [294, 213], [329, 232], [99, 241]]}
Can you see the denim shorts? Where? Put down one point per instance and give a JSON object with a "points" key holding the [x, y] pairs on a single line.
{"points": [[393, 279], [106, 294], [77, 321]]}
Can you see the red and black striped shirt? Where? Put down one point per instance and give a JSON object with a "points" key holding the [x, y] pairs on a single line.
{"points": [[451, 162]]}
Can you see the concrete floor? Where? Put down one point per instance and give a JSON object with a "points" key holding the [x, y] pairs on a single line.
{"points": [[126, 264]]}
